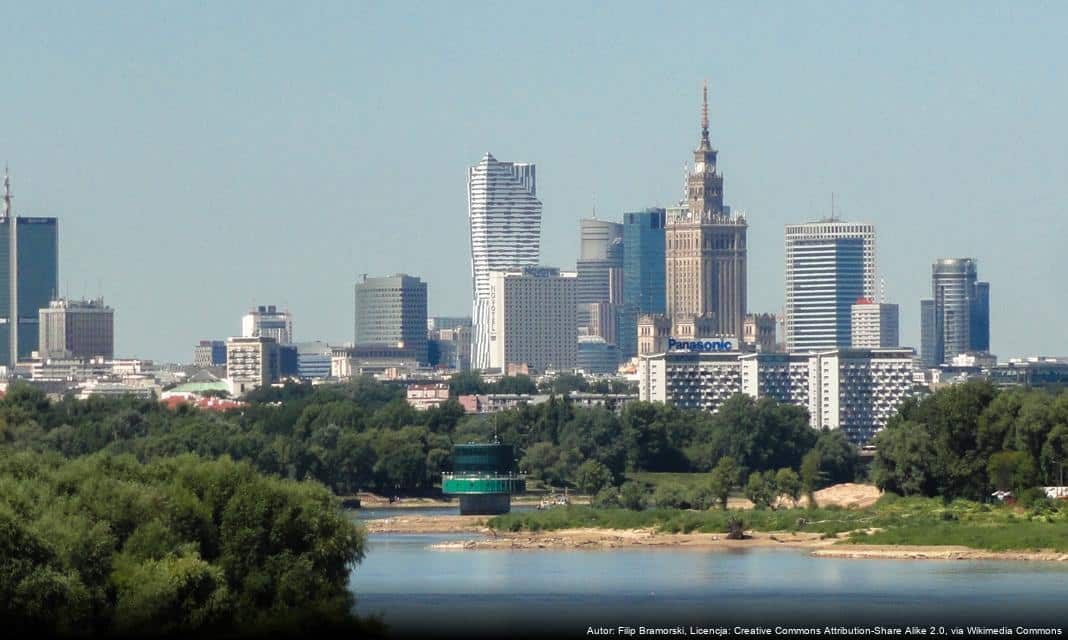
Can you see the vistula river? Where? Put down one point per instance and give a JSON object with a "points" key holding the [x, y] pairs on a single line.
{"points": [[422, 591]]}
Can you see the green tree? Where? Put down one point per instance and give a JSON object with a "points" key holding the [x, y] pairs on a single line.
{"points": [[724, 477], [789, 484], [761, 489], [632, 496], [671, 495], [592, 476]]}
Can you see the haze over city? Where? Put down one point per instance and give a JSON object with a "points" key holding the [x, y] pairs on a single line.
{"points": [[240, 154]]}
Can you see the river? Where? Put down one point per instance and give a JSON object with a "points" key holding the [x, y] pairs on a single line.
{"points": [[423, 591]]}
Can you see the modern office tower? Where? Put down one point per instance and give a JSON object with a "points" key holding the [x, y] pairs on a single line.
{"points": [[29, 278], [829, 265], [251, 362], [210, 353], [76, 329], [759, 331], [450, 347], [391, 313], [438, 323], [643, 274], [957, 317], [599, 268], [533, 319], [930, 352], [706, 247], [270, 322], [505, 220], [875, 325]]}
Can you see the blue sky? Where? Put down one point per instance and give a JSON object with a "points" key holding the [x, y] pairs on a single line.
{"points": [[205, 157]]}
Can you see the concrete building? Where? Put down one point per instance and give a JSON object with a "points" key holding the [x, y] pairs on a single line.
{"points": [[78, 329], [251, 362], [210, 353], [427, 396], [29, 278], [644, 278], [391, 312], [653, 333], [758, 331], [533, 319], [268, 322], [706, 247], [957, 317], [505, 221], [875, 325], [829, 265], [856, 390]]}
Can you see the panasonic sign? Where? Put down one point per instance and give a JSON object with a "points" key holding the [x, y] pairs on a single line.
{"points": [[699, 345]]}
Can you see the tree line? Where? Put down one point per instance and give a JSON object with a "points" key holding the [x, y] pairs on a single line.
{"points": [[968, 440]]}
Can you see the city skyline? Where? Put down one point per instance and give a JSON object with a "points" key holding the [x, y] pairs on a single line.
{"points": [[186, 163]]}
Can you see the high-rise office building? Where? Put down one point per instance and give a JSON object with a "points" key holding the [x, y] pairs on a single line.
{"points": [[706, 247], [829, 266], [29, 278], [505, 222], [957, 318], [76, 329], [269, 322], [533, 320], [391, 314], [875, 325], [600, 271], [643, 274]]}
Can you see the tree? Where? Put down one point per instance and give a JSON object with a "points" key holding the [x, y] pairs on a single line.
{"points": [[761, 489], [1011, 470], [632, 496], [810, 476], [789, 483], [1055, 455], [592, 476], [903, 462], [723, 478], [839, 457]]}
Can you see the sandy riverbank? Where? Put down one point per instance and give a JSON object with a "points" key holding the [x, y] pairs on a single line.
{"points": [[593, 538], [374, 501]]}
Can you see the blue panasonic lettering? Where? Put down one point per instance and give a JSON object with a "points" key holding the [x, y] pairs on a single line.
{"points": [[699, 346]]}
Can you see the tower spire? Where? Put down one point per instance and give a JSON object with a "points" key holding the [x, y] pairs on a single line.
{"points": [[704, 114], [7, 194]]}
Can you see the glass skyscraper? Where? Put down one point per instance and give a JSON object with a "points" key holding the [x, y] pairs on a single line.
{"points": [[391, 314], [829, 266], [957, 317], [643, 273], [29, 278]]}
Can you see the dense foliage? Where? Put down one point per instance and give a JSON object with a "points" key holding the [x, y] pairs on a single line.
{"points": [[966, 440], [364, 435], [105, 544]]}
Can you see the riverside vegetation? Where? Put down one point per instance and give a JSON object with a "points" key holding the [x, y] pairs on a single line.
{"points": [[120, 515]]}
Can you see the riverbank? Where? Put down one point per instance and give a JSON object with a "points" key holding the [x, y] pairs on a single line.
{"points": [[375, 501], [817, 544]]}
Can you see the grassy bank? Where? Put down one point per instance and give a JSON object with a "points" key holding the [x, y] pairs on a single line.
{"points": [[892, 520]]}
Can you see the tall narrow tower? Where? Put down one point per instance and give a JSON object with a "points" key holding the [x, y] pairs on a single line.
{"points": [[706, 246]]}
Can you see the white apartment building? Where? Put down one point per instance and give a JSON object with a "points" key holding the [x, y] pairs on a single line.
{"points": [[875, 325], [532, 319], [856, 390], [251, 363]]}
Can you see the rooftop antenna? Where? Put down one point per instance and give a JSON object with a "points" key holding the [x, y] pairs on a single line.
{"points": [[7, 193], [833, 218]]}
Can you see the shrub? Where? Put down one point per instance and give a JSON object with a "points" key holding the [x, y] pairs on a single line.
{"points": [[671, 496], [606, 498], [632, 496]]}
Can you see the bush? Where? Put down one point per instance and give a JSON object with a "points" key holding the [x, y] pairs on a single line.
{"points": [[671, 496], [735, 527], [1028, 497], [632, 496], [606, 498], [592, 476]]}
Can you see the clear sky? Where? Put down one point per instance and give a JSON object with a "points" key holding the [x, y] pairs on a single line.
{"points": [[207, 156]]}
